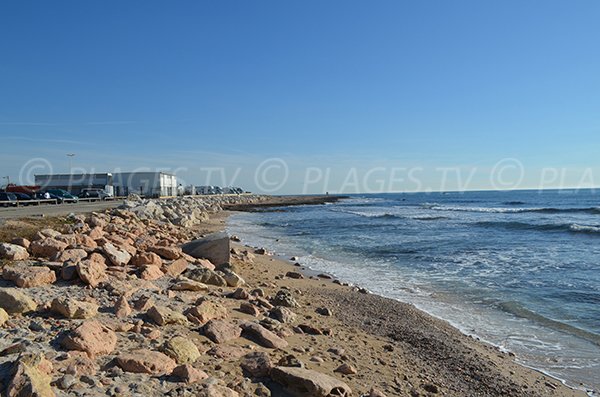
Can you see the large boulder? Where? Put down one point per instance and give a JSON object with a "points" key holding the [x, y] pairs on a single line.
{"points": [[220, 331], [206, 276], [31, 376], [117, 256], [206, 311], [92, 271], [214, 247], [74, 309], [304, 383], [263, 336], [146, 362], [91, 337], [25, 275], [162, 315], [47, 247], [14, 301], [13, 252], [181, 349]]}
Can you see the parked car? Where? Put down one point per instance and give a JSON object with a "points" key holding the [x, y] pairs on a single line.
{"points": [[23, 197], [8, 199], [66, 196], [95, 193], [50, 196]]}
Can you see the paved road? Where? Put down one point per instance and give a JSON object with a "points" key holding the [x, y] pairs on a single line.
{"points": [[57, 210]]}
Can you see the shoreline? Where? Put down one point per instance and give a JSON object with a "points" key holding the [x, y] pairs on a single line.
{"points": [[111, 280], [537, 375]]}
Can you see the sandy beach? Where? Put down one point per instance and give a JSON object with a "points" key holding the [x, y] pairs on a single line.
{"points": [[130, 314]]}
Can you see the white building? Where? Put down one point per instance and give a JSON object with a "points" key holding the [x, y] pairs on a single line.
{"points": [[74, 183], [149, 184]]}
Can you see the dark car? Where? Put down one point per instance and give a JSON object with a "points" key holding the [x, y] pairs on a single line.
{"points": [[23, 197], [8, 199], [42, 196], [95, 193], [64, 195]]}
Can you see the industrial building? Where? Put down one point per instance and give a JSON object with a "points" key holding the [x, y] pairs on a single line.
{"points": [[148, 184], [75, 183]]}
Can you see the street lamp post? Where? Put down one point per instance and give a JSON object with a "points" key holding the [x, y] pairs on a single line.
{"points": [[70, 156]]}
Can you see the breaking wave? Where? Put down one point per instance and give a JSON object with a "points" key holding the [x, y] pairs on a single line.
{"points": [[558, 227], [548, 210]]}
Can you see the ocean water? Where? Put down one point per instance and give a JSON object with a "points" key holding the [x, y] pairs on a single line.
{"points": [[518, 269]]}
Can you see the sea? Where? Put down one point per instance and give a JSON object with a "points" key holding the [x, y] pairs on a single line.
{"points": [[517, 269]]}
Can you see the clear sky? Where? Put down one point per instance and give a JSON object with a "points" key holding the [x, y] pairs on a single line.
{"points": [[337, 95]]}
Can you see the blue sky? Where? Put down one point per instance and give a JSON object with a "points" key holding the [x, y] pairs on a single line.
{"points": [[343, 86]]}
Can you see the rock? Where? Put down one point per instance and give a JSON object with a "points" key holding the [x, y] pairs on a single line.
{"points": [[249, 308], [162, 315], [115, 255], [324, 311], [227, 352], [146, 258], [181, 349], [221, 331], [303, 382], [185, 284], [284, 298], [261, 251], [214, 247], [176, 267], [74, 309], [189, 374], [166, 252], [325, 276], [376, 393], [14, 301], [13, 252], [146, 362], [346, 369], [78, 363], [47, 247], [240, 293], [122, 308], [206, 311], [23, 242], [91, 337], [144, 303], [256, 364], [206, 276], [232, 279], [310, 330], [31, 377], [24, 275], [73, 255], [3, 317], [263, 336], [68, 272], [151, 273], [205, 263], [213, 390], [290, 361], [283, 315], [295, 275], [92, 271]]}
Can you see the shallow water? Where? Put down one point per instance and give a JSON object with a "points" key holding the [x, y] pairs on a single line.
{"points": [[518, 269]]}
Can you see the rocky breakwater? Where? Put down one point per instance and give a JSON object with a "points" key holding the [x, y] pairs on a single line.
{"points": [[187, 211], [112, 305]]}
